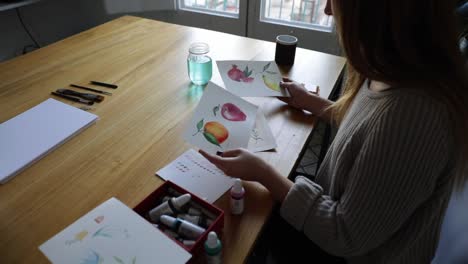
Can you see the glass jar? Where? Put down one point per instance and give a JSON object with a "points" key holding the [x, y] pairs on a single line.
{"points": [[199, 63]]}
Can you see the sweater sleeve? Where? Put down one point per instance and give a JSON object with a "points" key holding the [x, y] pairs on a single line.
{"points": [[394, 172]]}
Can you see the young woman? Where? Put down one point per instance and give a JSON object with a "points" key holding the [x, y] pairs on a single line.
{"points": [[383, 187]]}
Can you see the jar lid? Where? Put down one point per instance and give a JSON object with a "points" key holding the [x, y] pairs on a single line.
{"points": [[199, 48], [286, 39]]}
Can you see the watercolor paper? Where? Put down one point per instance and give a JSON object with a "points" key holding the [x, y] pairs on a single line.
{"points": [[196, 174], [221, 121], [261, 137], [251, 78], [113, 233]]}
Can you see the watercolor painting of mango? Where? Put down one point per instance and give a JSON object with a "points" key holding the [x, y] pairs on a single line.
{"points": [[251, 78], [221, 121]]}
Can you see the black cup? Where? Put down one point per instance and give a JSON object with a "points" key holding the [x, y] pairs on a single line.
{"points": [[285, 49]]}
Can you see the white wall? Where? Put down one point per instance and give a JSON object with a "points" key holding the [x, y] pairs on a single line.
{"points": [[48, 21], [53, 20]]}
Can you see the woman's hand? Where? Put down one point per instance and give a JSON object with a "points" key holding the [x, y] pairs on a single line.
{"points": [[240, 163], [300, 96], [306, 100], [243, 164]]}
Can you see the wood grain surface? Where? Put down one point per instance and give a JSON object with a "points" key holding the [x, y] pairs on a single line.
{"points": [[139, 127]]}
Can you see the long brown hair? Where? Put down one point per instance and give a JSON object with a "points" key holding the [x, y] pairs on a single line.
{"points": [[402, 42]]}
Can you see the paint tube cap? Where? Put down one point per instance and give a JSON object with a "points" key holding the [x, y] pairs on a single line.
{"points": [[181, 200], [212, 240], [237, 188], [212, 244]]}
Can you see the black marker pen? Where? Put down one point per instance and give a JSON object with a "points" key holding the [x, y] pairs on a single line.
{"points": [[113, 86]]}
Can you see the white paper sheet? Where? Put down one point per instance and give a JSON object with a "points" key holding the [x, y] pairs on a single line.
{"points": [[112, 233], [261, 137], [251, 78], [29, 136], [221, 121], [196, 174]]}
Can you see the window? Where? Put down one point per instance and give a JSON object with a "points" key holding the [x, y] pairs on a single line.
{"points": [[299, 13], [263, 19], [217, 7]]}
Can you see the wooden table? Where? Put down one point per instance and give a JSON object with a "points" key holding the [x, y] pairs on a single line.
{"points": [[140, 127]]}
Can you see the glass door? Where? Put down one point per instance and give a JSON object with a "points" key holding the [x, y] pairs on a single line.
{"points": [[228, 16], [263, 19]]}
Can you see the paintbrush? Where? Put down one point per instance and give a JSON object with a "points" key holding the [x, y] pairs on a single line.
{"points": [[74, 99], [91, 97], [90, 89]]}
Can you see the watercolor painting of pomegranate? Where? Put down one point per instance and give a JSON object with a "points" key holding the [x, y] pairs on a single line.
{"points": [[214, 132], [240, 76], [231, 112]]}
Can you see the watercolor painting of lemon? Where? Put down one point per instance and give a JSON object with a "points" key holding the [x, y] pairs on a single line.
{"points": [[271, 83], [78, 237], [268, 78]]}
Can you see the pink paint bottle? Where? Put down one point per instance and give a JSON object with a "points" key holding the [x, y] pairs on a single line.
{"points": [[237, 197]]}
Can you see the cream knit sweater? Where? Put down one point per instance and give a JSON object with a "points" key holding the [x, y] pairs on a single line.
{"points": [[383, 187]]}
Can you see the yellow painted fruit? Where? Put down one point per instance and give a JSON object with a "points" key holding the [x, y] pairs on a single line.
{"points": [[215, 132], [270, 83], [81, 235]]}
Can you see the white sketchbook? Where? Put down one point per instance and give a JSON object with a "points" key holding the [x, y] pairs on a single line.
{"points": [[112, 233], [29, 136], [196, 174]]}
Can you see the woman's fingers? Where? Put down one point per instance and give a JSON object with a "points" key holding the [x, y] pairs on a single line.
{"points": [[292, 88], [317, 90], [284, 99], [231, 153], [285, 84], [217, 161]]}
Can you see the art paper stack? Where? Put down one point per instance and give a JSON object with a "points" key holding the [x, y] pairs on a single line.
{"points": [[223, 120]]}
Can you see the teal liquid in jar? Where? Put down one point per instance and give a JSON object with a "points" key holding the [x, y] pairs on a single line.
{"points": [[199, 64]]}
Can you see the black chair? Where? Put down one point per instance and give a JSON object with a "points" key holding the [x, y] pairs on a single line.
{"points": [[462, 12], [453, 243]]}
